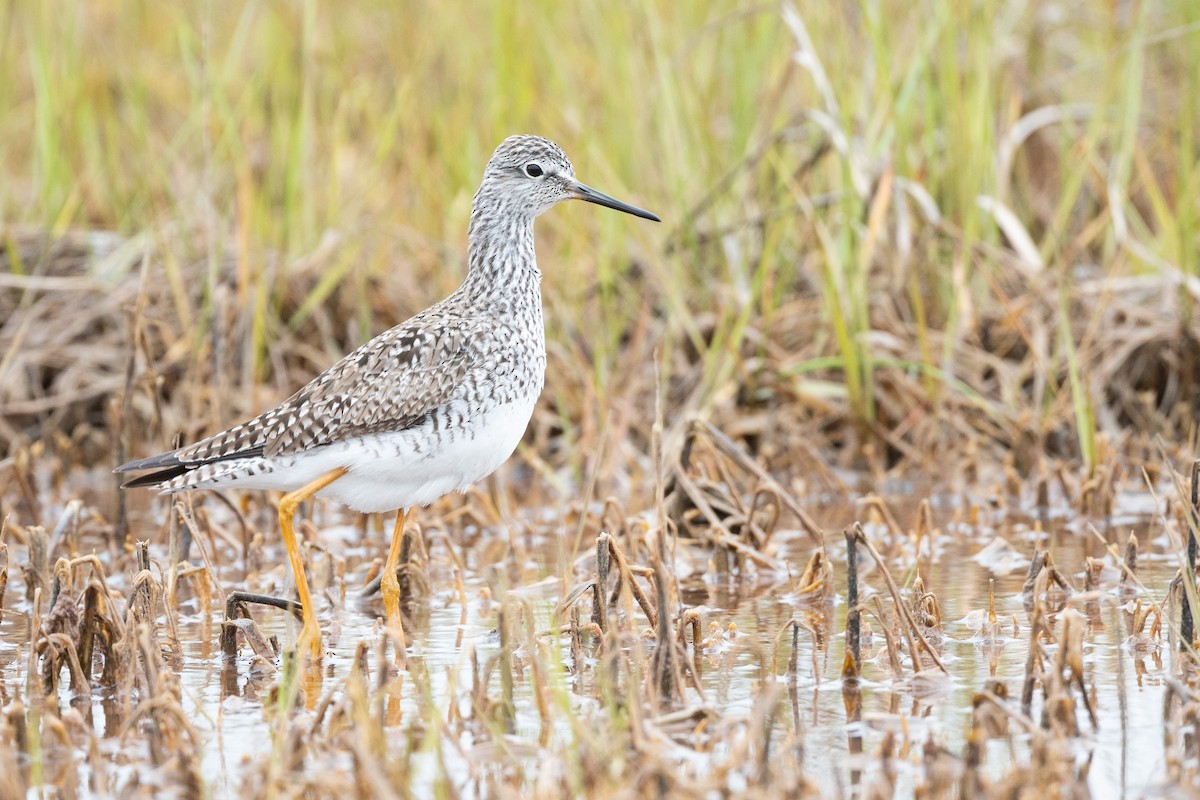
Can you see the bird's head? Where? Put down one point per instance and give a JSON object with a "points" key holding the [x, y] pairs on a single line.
{"points": [[534, 174]]}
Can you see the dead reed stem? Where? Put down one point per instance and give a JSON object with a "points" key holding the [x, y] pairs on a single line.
{"points": [[1186, 623], [850, 666], [910, 626]]}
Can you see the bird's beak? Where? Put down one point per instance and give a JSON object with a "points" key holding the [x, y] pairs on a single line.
{"points": [[585, 192]]}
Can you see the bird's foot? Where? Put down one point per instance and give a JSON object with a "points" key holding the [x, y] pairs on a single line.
{"points": [[389, 587], [310, 637]]}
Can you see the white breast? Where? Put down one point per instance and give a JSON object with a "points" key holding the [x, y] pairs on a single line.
{"points": [[413, 467]]}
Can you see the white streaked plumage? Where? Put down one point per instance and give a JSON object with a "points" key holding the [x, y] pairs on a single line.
{"points": [[384, 466]]}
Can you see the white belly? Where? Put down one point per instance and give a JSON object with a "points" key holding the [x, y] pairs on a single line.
{"points": [[387, 471]]}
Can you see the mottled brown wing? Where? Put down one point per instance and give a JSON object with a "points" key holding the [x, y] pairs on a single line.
{"points": [[390, 383]]}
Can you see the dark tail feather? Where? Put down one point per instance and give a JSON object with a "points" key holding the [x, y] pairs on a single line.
{"points": [[165, 466], [157, 477]]}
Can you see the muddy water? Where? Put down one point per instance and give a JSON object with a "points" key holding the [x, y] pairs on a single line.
{"points": [[1125, 750], [229, 707]]}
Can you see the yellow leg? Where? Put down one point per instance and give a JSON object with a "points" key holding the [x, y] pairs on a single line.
{"points": [[311, 633], [389, 586]]}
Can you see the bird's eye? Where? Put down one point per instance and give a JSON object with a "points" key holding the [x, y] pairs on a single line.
{"points": [[533, 170]]}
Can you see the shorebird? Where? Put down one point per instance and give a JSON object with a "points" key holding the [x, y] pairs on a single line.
{"points": [[424, 409]]}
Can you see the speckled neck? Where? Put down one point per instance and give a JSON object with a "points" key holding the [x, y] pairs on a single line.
{"points": [[502, 264]]}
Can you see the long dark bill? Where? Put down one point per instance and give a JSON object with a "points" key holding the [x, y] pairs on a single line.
{"points": [[585, 192]]}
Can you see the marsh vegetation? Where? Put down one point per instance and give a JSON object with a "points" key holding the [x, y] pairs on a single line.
{"points": [[867, 474]]}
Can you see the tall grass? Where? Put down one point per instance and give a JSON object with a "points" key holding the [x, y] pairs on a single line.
{"points": [[257, 132]]}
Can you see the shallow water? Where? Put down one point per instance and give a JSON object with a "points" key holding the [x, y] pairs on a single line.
{"points": [[230, 706]]}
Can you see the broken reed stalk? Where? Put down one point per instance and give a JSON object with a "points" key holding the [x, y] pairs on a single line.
{"points": [[853, 660], [1032, 657], [735, 453], [666, 668], [139, 595], [1186, 623], [1068, 657], [626, 574], [1131, 554], [1042, 564], [35, 576], [235, 607], [816, 582], [608, 552], [720, 533], [179, 545], [600, 587], [691, 619], [62, 574], [910, 624], [87, 626], [889, 636], [668, 676], [1035, 569]]}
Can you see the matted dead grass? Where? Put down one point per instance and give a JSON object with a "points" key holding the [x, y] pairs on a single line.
{"points": [[586, 634]]}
